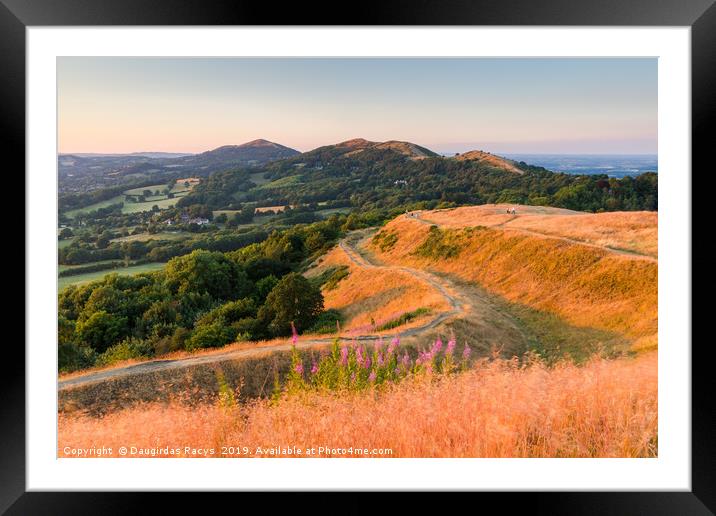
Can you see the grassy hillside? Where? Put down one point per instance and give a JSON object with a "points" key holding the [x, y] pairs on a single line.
{"points": [[587, 285], [374, 297]]}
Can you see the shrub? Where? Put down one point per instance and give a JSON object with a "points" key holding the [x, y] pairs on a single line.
{"points": [[385, 240], [211, 336], [127, 349], [439, 244], [71, 357], [403, 319], [327, 322]]}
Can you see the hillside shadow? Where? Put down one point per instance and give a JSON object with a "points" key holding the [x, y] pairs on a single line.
{"points": [[549, 335]]}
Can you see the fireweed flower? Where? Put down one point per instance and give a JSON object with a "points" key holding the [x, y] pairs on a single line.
{"points": [[450, 346], [353, 376], [406, 361], [466, 352], [299, 368], [314, 368], [380, 359], [367, 363], [437, 347], [294, 334], [393, 344], [372, 376], [359, 356], [344, 355]]}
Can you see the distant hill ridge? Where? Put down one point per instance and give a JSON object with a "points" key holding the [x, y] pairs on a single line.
{"points": [[489, 159], [358, 145]]}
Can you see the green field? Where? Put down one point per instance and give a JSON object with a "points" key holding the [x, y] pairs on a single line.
{"points": [[280, 183], [61, 244], [63, 283], [330, 211], [258, 219], [161, 201], [178, 188], [258, 178], [146, 237], [61, 267]]}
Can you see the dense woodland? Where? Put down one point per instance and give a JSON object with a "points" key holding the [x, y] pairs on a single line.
{"points": [[382, 179], [201, 299]]}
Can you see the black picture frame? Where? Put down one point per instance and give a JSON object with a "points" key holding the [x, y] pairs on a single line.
{"points": [[700, 15]]}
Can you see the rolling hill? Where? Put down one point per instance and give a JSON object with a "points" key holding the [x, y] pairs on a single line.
{"points": [[255, 152], [396, 175], [86, 172], [490, 159]]}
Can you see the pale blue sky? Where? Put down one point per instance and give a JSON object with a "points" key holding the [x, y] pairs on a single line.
{"points": [[503, 105]]}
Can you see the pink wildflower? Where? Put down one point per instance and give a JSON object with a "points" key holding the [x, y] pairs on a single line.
{"points": [[437, 347], [466, 352], [294, 334], [406, 361], [393, 344], [379, 344], [344, 355], [299, 368], [450, 346], [372, 376], [314, 368]]}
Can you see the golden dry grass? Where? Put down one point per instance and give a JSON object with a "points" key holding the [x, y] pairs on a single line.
{"points": [[606, 408], [635, 231], [377, 294], [277, 209], [587, 286], [489, 159]]}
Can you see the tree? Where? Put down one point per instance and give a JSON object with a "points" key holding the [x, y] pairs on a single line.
{"points": [[293, 299], [246, 215], [315, 241], [101, 330], [103, 239], [205, 272], [264, 286], [65, 233]]}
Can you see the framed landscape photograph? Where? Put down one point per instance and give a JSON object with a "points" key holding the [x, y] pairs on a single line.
{"points": [[440, 250]]}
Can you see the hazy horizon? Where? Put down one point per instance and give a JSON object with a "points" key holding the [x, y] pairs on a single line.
{"points": [[448, 153], [123, 105]]}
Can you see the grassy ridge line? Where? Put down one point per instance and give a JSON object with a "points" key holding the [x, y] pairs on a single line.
{"points": [[587, 286]]}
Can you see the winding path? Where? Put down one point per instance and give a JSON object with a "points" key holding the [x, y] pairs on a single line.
{"points": [[444, 286], [460, 300]]}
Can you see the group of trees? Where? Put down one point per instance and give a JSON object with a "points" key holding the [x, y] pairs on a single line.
{"points": [[201, 299], [100, 248], [382, 179]]}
